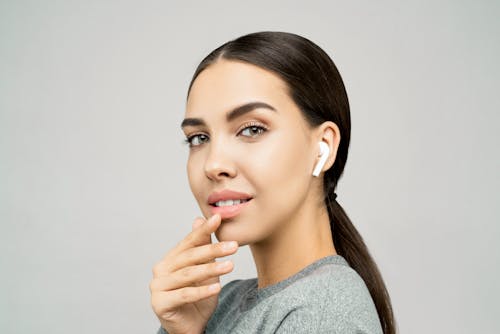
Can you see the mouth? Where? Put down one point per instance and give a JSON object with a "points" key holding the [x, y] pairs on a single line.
{"points": [[229, 208], [230, 202]]}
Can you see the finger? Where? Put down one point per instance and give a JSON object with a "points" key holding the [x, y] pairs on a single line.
{"points": [[191, 276], [205, 253], [194, 256], [201, 235], [197, 222], [181, 246], [165, 301]]}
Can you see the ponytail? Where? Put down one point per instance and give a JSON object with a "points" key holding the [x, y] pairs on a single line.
{"points": [[318, 90], [349, 244]]}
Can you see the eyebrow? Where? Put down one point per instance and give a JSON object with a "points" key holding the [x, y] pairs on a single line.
{"points": [[230, 116]]}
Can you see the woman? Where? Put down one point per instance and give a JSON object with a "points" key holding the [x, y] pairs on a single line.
{"points": [[268, 126]]}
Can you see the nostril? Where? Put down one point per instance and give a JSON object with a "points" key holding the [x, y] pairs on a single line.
{"points": [[219, 171]]}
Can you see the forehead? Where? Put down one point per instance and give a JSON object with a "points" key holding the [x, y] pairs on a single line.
{"points": [[226, 84]]}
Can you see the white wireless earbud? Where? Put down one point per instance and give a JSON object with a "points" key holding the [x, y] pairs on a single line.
{"points": [[324, 152]]}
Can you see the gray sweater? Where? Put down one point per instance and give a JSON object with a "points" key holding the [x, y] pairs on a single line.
{"points": [[327, 296]]}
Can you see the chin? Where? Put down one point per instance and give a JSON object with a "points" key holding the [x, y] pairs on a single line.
{"points": [[232, 230]]}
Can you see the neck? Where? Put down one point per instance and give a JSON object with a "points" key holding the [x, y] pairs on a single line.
{"points": [[302, 241]]}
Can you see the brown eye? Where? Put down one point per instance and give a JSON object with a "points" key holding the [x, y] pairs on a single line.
{"points": [[253, 131]]}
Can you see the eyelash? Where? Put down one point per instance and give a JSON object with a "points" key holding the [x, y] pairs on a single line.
{"points": [[260, 126]]}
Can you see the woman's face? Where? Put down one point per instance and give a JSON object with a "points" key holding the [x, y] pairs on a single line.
{"points": [[266, 153]]}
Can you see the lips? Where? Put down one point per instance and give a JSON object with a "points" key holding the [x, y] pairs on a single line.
{"points": [[225, 195], [229, 211]]}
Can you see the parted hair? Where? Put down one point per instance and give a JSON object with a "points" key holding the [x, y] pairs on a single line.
{"points": [[315, 85]]}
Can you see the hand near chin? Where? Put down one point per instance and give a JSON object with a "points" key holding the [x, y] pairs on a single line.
{"points": [[186, 282]]}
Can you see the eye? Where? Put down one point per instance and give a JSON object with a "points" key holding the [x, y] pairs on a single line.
{"points": [[196, 140], [253, 130]]}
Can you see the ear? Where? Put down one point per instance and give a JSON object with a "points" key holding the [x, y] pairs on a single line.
{"points": [[329, 133]]}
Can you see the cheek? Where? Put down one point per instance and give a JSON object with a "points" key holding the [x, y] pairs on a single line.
{"points": [[279, 169], [195, 173]]}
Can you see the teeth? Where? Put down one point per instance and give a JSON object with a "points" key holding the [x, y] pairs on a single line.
{"points": [[230, 202]]}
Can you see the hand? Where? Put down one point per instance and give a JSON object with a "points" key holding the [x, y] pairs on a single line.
{"points": [[185, 286]]}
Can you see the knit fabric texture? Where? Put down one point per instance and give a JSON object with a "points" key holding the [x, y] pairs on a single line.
{"points": [[327, 296]]}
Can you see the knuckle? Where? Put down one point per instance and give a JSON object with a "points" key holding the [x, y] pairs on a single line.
{"points": [[185, 294], [219, 249], [155, 305], [157, 269], [188, 241], [187, 274], [214, 266], [189, 255], [154, 286], [190, 238], [161, 268]]}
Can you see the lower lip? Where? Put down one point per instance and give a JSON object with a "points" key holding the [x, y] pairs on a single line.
{"points": [[229, 211]]}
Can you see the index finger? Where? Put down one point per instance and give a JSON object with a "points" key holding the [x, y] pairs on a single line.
{"points": [[201, 235]]}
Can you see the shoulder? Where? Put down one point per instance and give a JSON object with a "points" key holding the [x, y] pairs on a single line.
{"points": [[340, 282], [333, 297]]}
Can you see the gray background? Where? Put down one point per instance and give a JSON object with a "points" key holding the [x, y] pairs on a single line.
{"points": [[93, 186]]}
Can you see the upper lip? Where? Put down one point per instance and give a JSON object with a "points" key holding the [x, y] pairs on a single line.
{"points": [[225, 195]]}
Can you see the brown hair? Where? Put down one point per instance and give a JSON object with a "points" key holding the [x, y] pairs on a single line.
{"points": [[317, 88]]}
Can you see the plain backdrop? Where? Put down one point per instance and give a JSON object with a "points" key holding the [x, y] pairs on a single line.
{"points": [[93, 184]]}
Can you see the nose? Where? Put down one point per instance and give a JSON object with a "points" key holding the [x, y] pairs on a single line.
{"points": [[219, 163]]}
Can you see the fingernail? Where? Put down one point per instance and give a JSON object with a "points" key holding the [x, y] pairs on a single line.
{"points": [[213, 219], [229, 245], [214, 287], [223, 265]]}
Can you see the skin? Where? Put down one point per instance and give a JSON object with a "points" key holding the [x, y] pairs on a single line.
{"points": [[267, 154]]}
